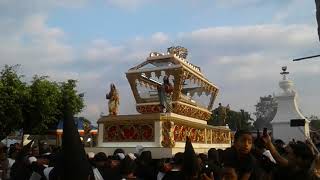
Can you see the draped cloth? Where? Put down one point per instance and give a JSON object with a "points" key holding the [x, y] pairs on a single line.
{"points": [[165, 93]]}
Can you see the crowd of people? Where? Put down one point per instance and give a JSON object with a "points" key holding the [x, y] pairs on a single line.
{"points": [[248, 158]]}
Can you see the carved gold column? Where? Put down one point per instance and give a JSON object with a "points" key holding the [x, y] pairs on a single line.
{"points": [[178, 80], [209, 136], [168, 134]]}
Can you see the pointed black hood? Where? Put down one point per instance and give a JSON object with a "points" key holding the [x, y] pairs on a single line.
{"points": [[191, 166], [74, 162], [24, 151]]}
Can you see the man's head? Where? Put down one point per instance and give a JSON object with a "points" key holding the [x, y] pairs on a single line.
{"points": [[213, 155], [177, 160], [243, 141], [42, 160], [13, 152], [35, 151], [279, 143], [100, 159], [299, 154], [119, 150]]}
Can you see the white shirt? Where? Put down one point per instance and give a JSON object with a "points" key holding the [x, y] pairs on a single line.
{"points": [[97, 174], [268, 154], [160, 175]]}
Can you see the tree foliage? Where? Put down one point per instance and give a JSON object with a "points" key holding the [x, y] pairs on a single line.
{"points": [[314, 122], [75, 100], [266, 109], [12, 99], [235, 119], [43, 105], [35, 106]]}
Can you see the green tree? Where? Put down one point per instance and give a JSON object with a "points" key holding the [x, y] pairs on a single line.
{"points": [[266, 109], [239, 120], [34, 107], [13, 93], [75, 100], [314, 122], [235, 119], [46, 103], [43, 105]]}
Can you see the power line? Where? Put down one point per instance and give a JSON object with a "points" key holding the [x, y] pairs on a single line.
{"points": [[308, 57]]}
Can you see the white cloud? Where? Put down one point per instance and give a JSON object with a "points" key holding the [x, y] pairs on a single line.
{"points": [[17, 10], [237, 3], [102, 50], [115, 60], [35, 44], [290, 11], [254, 58], [160, 37], [27, 39], [127, 4], [256, 36], [243, 61]]}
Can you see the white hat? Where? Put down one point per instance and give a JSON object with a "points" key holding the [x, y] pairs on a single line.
{"points": [[32, 159], [139, 149], [121, 155], [47, 171], [90, 155], [46, 154], [132, 156]]}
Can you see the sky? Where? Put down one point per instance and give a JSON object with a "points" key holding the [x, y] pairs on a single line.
{"points": [[240, 45]]}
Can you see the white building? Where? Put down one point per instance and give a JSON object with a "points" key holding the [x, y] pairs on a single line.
{"points": [[287, 110]]}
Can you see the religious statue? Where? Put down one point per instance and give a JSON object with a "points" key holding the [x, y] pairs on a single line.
{"points": [[222, 113], [164, 92], [114, 100]]}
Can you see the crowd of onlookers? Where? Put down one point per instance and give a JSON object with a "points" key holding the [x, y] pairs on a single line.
{"points": [[248, 158]]}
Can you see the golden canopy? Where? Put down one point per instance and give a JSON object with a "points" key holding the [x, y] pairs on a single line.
{"points": [[193, 94]]}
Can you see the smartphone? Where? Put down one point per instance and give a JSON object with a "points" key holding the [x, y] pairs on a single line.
{"points": [[265, 131], [207, 170]]}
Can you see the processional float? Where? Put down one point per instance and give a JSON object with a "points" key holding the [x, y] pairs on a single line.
{"points": [[167, 113]]}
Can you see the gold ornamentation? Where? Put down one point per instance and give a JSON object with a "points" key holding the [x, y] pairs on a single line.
{"points": [[181, 131], [133, 132], [168, 134], [114, 100], [209, 136], [179, 51], [179, 70], [178, 108], [220, 136]]}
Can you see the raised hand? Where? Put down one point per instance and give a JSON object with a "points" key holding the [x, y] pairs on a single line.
{"points": [[266, 139]]}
